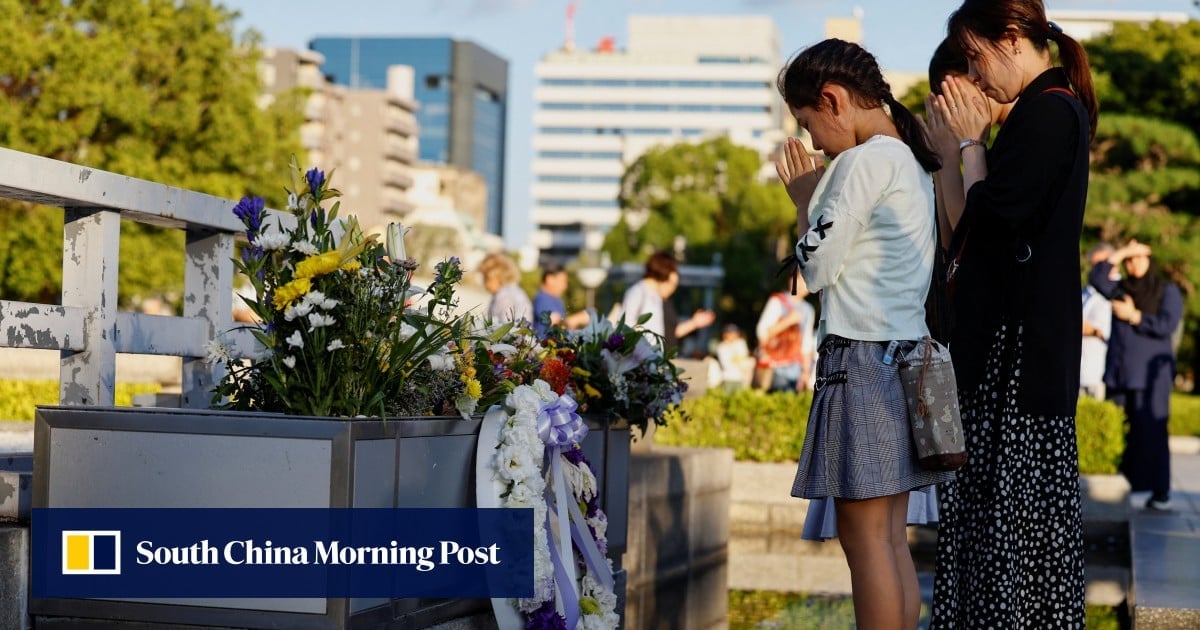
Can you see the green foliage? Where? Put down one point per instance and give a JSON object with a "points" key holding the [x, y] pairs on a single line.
{"points": [[770, 609], [19, 398], [1100, 435], [914, 98], [1130, 142], [1106, 618], [1185, 415], [1146, 158], [763, 427], [163, 90], [710, 194], [1152, 70], [759, 427]]}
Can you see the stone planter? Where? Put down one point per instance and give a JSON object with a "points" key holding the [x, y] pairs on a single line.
{"points": [[170, 458]]}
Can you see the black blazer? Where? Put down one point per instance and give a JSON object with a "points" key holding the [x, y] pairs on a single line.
{"points": [[1019, 238]]}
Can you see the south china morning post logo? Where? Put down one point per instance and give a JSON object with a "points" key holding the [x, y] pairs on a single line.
{"points": [[89, 552], [281, 552]]}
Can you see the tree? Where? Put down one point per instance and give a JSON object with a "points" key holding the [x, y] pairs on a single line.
{"points": [[712, 195], [163, 90], [1146, 158]]}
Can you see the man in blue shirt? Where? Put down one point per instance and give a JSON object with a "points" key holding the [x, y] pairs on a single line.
{"points": [[548, 306]]}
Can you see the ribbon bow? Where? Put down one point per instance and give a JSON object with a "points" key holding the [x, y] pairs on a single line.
{"points": [[559, 426]]}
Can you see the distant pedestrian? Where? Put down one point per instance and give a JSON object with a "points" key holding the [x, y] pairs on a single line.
{"points": [[786, 341], [1146, 309], [501, 278], [651, 296], [1097, 327], [548, 306], [734, 357]]}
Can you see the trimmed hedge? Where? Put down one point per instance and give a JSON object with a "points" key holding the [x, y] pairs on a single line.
{"points": [[1185, 415], [763, 427], [18, 398]]}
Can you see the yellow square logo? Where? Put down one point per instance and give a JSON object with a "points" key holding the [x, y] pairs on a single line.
{"points": [[91, 552]]}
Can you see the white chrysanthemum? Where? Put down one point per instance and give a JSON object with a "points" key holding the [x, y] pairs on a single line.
{"points": [[317, 320], [513, 463], [314, 297], [273, 241], [524, 400], [544, 391], [217, 352], [299, 309], [336, 344], [306, 248], [406, 330], [290, 362], [580, 480], [522, 495], [295, 340]]}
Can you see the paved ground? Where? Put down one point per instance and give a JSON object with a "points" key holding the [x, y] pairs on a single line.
{"points": [[1166, 548], [16, 437]]}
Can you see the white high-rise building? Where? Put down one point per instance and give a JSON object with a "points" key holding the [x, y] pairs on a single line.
{"points": [[679, 79]]}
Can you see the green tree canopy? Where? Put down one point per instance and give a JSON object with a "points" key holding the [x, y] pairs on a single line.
{"points": [[711, 194], [1146, 157], [163, 90]]}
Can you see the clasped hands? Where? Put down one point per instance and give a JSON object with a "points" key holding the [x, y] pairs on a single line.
{"points": [[958, 115], [799, 175]]}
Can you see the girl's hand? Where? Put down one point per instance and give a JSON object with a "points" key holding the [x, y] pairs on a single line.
{"points": [[799, 176], [940, 135], [965, 109]]}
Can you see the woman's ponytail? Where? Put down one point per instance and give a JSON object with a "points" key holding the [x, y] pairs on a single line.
{"points": [[913, 134], [1075, 63]]}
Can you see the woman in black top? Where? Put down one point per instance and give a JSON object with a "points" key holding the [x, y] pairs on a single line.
{"points": [[1010, 549]]}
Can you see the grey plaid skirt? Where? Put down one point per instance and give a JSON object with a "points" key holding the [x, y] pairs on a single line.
{"points": [[858, 444]]}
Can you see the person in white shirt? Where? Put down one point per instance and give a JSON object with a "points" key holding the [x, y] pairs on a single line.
{"points": [[867, 246], [650, 295], [1097, 325]]}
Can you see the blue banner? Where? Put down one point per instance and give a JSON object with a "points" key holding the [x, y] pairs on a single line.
{"points": [[452, 553]]}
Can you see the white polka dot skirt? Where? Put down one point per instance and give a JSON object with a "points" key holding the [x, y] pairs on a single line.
{"points": [[1010, 545]]}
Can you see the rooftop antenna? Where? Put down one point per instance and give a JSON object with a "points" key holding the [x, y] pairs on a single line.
{"points": [[569, 43]]}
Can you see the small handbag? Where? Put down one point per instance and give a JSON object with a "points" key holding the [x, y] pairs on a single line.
{"points": [[931, 392]]}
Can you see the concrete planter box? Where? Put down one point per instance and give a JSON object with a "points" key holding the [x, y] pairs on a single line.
{"points": [[140, 458]]}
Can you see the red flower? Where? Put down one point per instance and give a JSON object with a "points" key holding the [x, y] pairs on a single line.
{"points": [[557, 374]]}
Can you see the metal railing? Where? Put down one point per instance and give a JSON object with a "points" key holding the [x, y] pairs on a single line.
{"points": [[86, 327]]}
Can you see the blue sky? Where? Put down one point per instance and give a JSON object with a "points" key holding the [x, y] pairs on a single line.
{"points": [[901, 33]]}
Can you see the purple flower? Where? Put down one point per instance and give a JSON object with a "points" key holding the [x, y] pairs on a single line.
{"points": [[614, 342], [250, 211], [315, 178], [545, 618]]}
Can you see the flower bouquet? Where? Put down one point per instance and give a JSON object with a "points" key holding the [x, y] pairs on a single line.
{"points": [[620, 370], [337, 335]]}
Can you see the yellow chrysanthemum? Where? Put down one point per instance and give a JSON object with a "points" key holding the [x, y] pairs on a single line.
{"points": [[591, 392], [473, 389], [290, 292], [353, 265], [318, 265], [468, 373]]}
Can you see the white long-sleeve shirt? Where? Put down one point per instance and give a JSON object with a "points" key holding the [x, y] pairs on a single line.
{"points": [[870, 248]]}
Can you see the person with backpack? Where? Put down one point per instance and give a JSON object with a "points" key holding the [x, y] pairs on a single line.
{"points": [[785, 341]]}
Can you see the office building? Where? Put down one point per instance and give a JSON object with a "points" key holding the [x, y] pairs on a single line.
{"points": [[462, 91], [679, 79], [369, 136]]}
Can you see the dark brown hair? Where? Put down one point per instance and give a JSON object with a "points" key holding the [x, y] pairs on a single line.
{"points": [[947, 59], [852, 67], [660, 266], [990, 20]]}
